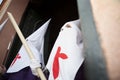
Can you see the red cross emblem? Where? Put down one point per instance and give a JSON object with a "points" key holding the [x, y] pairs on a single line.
{"points": [[56, 62], [17, 57]]}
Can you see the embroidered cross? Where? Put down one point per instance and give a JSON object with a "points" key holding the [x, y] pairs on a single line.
{"points": [[56, 62], [17, 57]]}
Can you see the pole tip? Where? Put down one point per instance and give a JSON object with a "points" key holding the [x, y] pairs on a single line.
{"points": [[8, 13]]}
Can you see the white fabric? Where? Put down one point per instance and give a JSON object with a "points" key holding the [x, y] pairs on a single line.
{"points": [[68, 43], [35, 42], [34, 64]]}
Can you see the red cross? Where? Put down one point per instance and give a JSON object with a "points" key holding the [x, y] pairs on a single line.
{"points": [[56, 62], [17, 57]]}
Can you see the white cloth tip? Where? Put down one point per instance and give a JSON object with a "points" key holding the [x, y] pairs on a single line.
{"points": [[34, 65]]}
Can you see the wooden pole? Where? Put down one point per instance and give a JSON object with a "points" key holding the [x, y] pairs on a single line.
{"points": [[4, 8], [41, 75]]}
